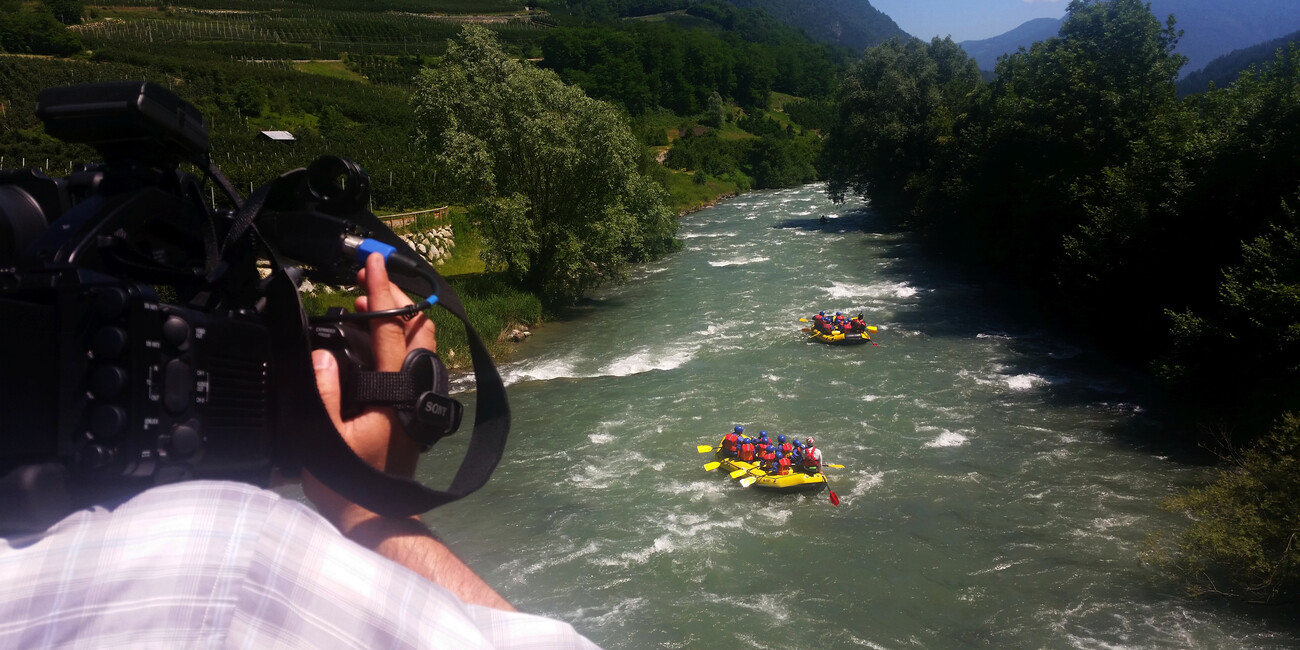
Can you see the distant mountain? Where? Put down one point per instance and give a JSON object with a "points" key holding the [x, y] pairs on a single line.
{"points": [[986, 51], [852, 23], [1225, 69], [1211, 28]]}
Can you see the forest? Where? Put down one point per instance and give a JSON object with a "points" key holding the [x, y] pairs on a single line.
{"points": [[1163, 226]]}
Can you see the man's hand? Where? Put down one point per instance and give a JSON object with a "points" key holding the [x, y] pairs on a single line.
{"points": [[376, 435], [378, 438]]}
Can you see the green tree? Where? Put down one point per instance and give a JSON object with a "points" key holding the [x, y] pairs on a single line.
{"points": [[717, 109], [250, 97], [896, 108], [1032, 152], [67, 12], [1241, 541], [553, 175]]}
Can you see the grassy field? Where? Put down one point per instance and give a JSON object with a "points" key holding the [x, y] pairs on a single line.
{"points": [[333, 69], [688, 196]]}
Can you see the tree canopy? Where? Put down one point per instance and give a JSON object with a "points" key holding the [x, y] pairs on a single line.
{"points": [[553, 176]]}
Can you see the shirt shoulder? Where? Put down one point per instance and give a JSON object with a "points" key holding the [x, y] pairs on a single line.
{"points": [[223, 563]]}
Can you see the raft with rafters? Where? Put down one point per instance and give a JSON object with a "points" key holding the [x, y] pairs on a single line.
{"points": [[837, 337], [795, 481]]}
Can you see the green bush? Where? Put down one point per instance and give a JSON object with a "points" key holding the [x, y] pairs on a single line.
{"points": [[1242, 538]]}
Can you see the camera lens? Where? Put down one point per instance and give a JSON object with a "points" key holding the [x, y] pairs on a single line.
{"points": [[333, 179]]}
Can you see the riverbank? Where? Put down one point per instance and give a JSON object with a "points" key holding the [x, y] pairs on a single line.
{"points": [[497, 309]]}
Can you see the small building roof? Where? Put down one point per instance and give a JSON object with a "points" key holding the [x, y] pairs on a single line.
{"points": [[282, 136]]}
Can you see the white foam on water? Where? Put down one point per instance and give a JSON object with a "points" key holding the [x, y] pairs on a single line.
{"points": [[738, 262], [601, 438], [1027, 381], [684, 531], [847, 291], [947, 439], [617, 615], [775, 515], [893, 290], [528, 565], [638, 361], [863, 482], [538, 370], [647, 360], [705, 235]]}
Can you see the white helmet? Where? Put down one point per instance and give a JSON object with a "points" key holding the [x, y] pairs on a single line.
{"points": [[809, 441]]}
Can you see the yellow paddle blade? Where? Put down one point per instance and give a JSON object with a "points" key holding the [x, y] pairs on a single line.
{"points": [[748, 481], [803, 320], [704, 449], [872, 329], [709, 467], [739, 473], [834, 465]]}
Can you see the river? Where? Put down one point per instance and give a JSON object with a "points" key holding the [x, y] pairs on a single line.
{"points": [[999, 481]]}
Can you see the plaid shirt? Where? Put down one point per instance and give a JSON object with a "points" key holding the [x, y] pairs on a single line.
{"points": [[207, 564]]}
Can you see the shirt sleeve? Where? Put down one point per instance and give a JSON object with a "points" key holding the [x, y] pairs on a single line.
{"points": [[220, 564]]}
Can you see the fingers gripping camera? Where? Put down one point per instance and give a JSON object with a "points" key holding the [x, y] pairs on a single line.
{"points": [[419, 392]]}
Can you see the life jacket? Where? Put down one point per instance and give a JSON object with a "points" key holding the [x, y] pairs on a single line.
{"points": [[784, 465], [818, 318], [769, 456], [747, 452], [786, 448], [729, 442], [810, 458]]}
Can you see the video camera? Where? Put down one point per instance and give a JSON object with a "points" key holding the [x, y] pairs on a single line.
{"points": [[149, 337]]}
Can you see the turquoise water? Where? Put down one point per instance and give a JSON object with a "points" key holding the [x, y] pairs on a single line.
{"points": [[1000, 481]]}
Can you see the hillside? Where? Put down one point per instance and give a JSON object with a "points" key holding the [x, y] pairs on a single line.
{"points": [[1225, 69], [986, 51], [851, 23], [1211, 28]]}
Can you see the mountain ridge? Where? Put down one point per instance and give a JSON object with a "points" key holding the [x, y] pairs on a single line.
{"points": [[1211, 28], [852, 23]]}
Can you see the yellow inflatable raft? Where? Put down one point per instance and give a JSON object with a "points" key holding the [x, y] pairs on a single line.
{"points": [[795, 481]]}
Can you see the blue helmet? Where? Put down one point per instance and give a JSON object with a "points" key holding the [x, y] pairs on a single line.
{"points": [[778, 454], [780, 438], [739, 428], [762, 434], [838, 314], [821, 313]]}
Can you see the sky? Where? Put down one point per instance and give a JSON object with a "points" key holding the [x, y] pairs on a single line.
{"points": [[966, 20]]}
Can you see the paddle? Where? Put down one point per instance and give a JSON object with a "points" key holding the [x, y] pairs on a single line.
{"points": [[749, 480], [835, 498], [739, 473], [834, 465], [803, 320], [704, 449], [709, 467]]}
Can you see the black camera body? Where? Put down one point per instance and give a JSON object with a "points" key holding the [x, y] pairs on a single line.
{"points": [[143, 344], [124, 388]]}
